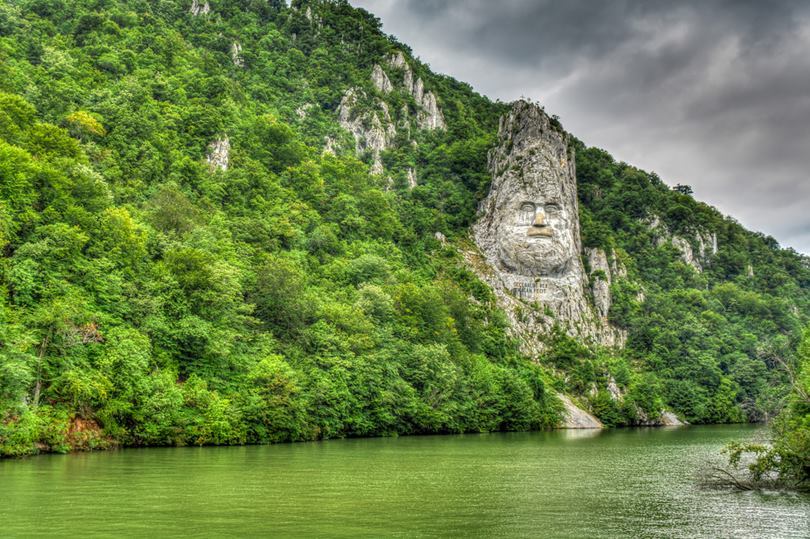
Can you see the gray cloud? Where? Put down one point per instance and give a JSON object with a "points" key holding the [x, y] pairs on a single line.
{"points": [[715, 94]]}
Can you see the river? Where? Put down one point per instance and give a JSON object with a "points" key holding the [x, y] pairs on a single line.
{"points": [[620, 483]]}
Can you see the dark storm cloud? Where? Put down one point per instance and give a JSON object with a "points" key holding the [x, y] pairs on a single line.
{"points": [[715, 94]]}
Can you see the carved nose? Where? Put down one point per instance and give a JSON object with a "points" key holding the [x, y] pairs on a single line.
{"points": [[539, 226]]}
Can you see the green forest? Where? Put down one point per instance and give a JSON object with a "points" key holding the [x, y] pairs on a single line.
{"points": [[147, 298]]}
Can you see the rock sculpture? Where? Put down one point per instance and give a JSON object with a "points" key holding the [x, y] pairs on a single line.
{"points": [[528, 233]]}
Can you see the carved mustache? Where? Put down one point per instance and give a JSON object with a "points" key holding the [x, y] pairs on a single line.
{"points": [[539, 226]]}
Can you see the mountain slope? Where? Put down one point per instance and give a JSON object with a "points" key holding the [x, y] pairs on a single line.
{"points": [[195, 252]]}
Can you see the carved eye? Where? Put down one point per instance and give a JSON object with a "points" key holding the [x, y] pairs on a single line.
{"points": [[526, 213], [552, 208]]}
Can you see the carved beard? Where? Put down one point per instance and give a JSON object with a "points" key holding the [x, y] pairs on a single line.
{"points": [[527, 249]]}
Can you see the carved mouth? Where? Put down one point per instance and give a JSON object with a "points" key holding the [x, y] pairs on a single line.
{"points": [[544, 232]]}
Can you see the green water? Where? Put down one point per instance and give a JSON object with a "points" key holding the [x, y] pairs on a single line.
{"points": [[639, 482]]}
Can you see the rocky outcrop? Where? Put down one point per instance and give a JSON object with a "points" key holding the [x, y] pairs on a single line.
{"points": [[411, 178], [380, 79], [198, 9], [614, 390], [329, 145], [236, 54], [664, 419], [528, 235], [698, 258], [219, 152], [575, 417], [687, 254], [397, 61], [371, 134], [429, 115], [374, 127], [668, 419], [600, 280]]}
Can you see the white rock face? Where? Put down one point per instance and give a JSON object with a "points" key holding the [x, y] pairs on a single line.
{"points": [[397, 61], [198, 9], [236, 54], [418, 90], [664, 419], [528, 233], [370, 134], [390, 130], [380, 79], [575, 417], [706, 244], [613, 389], [329, 145], [430, 115], [687, 254], [411, 178], [375, 130], [668, 419], [219, 152], [600, 280], [407, 79]]}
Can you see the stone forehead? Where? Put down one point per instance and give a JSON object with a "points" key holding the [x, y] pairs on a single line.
{"points": [[516, 191]]}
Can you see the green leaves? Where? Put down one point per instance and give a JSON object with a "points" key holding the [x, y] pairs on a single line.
{"points": [[294, 295]]}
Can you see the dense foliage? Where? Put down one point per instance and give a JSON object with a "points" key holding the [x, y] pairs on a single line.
{"points": [[147, 298], [717, 340], [785, 463]]}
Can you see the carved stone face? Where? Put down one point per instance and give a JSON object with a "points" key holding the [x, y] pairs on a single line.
{"points": [[534, 229]]}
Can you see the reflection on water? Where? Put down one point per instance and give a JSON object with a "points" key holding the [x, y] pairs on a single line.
{"points": [[633, 482], [575, 434]]}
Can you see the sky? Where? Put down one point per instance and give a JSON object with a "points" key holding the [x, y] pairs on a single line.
{"points": [[713, 94]]}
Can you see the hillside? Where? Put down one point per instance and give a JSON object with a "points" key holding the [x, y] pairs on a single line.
{"points": [[240, 222]]}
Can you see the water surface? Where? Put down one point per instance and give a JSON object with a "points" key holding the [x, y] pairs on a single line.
{"points": [[631, 482]]}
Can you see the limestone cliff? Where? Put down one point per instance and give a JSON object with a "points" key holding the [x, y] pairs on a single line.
{"points": [[528, 235], [429, 115], [371, 122], [695, 252], [373, 130]]}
